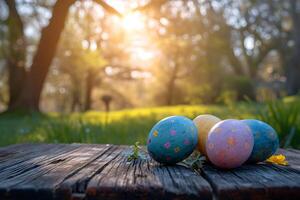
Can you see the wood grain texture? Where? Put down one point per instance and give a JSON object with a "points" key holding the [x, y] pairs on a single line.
{"points": [[257, 181], [146, 179], [91, 171]]}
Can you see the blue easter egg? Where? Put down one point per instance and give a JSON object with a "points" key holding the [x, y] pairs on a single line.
{"points": [[265, 140], [172, 139]]}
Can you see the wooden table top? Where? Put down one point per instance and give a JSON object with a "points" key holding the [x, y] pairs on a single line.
{"points": [[93, 171]]}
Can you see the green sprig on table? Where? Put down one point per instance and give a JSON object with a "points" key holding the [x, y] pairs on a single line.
{"points": [[195, 161], [137, 152]]}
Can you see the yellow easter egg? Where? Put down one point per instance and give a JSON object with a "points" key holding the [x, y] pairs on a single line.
{"points": [[204, 123]]}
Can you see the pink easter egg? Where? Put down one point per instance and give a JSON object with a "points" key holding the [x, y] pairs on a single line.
{"points": [[229, 143]]}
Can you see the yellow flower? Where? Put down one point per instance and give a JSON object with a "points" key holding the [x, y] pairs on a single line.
{"points": [[277, 159], [155, 133]]}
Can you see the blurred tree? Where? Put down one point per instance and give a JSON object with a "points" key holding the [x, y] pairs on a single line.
{"points": [[263, 26], [25, 88], [175, 64], [84, 68], [80, 58], [235, 34], [16, 52], [202, 51], [288, 25], [26, 83], [95, 54], [3, 88], [193, 40], [177, 40]]}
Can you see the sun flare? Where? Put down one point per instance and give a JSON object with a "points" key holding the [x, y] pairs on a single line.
{"points": [[133, 22]]}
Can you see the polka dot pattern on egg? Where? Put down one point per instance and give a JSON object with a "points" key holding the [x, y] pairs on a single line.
{"points": [[265, 140], [229, 143], [172, 139]]}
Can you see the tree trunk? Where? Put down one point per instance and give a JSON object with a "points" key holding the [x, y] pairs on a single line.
{"points": [[16, 53], [235, 62], [293, 61], [32, 88], [75, 101], [292, 71], [170, 92], [90, 79], [16, 77], [293, 80], [171, 85]]}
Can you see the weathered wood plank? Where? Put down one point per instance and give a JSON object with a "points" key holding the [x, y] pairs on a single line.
{"points": [[146, 179], [32, 161], [84, 171], [28, 169], [49, 180], [257, 181], [74, 186], [293, 157], [18, 156], [17, 150], [51, 170]]}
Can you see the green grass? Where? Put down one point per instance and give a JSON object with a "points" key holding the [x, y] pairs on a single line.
{"points": [[119, 127], [284, 117]]}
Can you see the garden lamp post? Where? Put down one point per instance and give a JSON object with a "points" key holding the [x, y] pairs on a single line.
{"points": [[106, 100]]}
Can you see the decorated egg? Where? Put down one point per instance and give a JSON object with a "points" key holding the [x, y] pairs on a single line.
{"points": [[229, 143], [204, 123], [172, 139], [265, 140]]}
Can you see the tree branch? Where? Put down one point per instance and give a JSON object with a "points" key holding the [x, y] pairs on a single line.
{"points": [[151, 4], [108, 8]]}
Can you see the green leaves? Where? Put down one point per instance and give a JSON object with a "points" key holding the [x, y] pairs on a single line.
{"points": [[135, 152], [195, 161], [284, 117]]}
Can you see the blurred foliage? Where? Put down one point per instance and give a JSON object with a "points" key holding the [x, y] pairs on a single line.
{"points": [[122, 127], [81, 66], [128, 126], [162, 52], [159, 53], [241, 85], [284, 116], [228, 97]]}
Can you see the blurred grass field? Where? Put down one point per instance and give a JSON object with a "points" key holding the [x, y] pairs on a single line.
{"points": [[117, 127]]}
